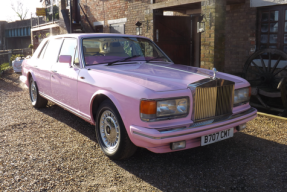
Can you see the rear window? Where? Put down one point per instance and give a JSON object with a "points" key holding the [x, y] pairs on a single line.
{"points": [[52, 51], [39, 49]]}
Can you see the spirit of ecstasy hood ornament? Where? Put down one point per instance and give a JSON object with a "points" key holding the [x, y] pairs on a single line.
{"points": [[214, 73]]}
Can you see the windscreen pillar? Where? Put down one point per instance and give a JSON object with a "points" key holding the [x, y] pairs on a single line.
{"points": [[213, 36]]}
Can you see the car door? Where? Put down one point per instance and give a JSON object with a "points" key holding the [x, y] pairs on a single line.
{"points": [[64, 77], [42, 65]]}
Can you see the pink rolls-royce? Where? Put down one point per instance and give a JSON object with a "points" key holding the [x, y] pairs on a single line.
{"points": [[134, 94]]}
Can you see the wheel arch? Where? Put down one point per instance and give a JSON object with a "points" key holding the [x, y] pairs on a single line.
{"points": [[98, 98], [29, 75]]}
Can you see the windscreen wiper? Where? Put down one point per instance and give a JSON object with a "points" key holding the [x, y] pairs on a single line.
{"points": [[147, 61], [111, 63]]}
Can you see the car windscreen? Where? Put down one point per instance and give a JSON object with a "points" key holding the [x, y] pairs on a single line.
{"points": [[116, 49]]}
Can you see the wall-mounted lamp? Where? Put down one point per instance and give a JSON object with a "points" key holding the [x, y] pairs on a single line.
{"points": [[138, 28], [200, 27], [200, 24]]}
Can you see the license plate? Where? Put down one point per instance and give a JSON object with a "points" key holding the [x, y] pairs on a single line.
{"points": [[212, 138]]}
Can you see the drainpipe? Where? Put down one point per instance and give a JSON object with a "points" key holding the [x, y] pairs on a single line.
{"points": [[52, 6], [71, 16]]}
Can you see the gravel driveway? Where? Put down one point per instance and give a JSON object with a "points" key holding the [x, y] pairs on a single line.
{"points": [[53, 150]]}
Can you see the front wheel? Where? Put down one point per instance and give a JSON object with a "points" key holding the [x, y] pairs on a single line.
{"points": [[111, 133], [36, 99]]}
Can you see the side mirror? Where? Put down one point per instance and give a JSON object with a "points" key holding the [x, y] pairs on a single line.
{"points": [[65, 59]]}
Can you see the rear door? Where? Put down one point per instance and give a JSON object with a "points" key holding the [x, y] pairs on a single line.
{"points": [[64, 82], [43, 65]]}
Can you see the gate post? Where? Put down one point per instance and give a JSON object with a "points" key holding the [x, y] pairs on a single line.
{"points": [[10, 52], [213, 38]]}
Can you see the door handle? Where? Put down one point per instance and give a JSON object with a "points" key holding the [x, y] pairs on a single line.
{"points": [[55, 71]]}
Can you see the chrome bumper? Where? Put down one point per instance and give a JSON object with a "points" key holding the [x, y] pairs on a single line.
{"points": [[194, 130]]}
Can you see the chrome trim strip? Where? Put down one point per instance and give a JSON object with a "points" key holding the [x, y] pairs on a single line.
{"points": [[137, 133], [225, 119], [172, 129], [208, 122], [232, 117], [64, 106]]}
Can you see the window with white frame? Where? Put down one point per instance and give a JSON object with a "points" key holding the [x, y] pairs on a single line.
{"points": [[117, 25]]}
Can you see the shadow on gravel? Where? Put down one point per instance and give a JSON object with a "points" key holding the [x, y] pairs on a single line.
{"points": [[8, 80], [71, 120], [243, 163]]}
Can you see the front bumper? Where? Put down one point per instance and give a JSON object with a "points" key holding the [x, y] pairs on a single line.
{"points": [[158, 140]]}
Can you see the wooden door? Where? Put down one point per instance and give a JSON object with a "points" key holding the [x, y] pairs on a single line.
{"points": [[173, 34]]}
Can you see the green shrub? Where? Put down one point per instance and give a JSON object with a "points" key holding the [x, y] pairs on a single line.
{"points": [[13, 57], [4, 66], [31, 46]]}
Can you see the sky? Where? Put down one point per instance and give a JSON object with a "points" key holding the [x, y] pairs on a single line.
{"points": [[7, 13]]}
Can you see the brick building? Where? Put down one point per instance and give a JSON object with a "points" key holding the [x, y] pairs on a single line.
{"points": [[202, 33]]}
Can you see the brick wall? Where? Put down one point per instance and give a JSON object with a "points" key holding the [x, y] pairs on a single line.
{"points": [[239, 29], [240, 33], [213, 38], [98, 10]]}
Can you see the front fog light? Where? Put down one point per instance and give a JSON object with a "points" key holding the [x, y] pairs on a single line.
{"points": [[241, 127], [177, 145]]}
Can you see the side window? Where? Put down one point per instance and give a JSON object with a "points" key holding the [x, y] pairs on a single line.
{"points": [[39, 49], [40, 56], [52, 51], [69, 47]]}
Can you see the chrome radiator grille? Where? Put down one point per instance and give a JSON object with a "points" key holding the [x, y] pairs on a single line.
{"points": [[213, 101]]}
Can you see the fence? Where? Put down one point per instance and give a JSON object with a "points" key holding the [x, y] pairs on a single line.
{"points": [[6, 54]]}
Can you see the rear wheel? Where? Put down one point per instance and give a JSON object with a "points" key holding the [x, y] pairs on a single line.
{"points": [[111, 133], [36, 99]]}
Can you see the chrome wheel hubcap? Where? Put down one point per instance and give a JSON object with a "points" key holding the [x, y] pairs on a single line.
{"points": [[109, 130], [33, 92]]}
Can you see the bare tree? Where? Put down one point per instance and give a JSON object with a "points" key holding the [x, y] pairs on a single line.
{"points": [[19, 9]]}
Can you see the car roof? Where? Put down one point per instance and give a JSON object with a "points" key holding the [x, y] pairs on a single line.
{"points": [[89, 35]]}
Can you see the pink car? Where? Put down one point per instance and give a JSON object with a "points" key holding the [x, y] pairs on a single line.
{"points": [[135, 95]]}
